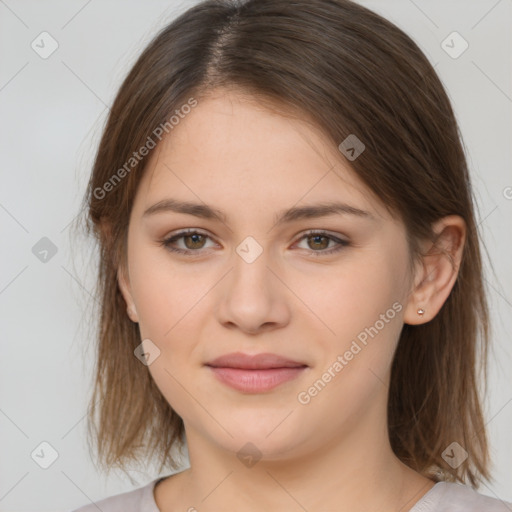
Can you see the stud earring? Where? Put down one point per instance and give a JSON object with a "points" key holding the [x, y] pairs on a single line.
{"points": [[421, 311]]}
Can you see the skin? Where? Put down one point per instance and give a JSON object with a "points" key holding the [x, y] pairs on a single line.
{"points": [[251, 163]]}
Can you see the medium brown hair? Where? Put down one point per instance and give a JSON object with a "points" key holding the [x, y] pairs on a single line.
{"points": [[348, 71]]}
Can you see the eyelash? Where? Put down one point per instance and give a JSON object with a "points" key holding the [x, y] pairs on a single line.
{"points": [[168, 241]]}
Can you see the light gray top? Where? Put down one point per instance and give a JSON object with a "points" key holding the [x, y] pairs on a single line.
{"points": [[442, 497]]}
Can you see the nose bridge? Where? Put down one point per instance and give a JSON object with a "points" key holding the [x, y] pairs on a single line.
{"points": [[250, 266], [250, 250]]}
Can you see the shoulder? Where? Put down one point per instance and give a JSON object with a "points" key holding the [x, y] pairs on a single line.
{"points": [[137, 500], [454, 497]]}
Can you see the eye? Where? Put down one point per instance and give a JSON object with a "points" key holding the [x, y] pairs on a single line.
{"points": [[318, 241], [193, 241]]}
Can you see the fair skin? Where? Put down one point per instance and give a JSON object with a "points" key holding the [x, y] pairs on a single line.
{"points": [[294, 300]]}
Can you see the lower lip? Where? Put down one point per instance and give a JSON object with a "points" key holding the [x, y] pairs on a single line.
{"points": [[256, 381]]}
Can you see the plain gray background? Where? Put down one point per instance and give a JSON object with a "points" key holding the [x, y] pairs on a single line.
{"points": [[52, 111]]}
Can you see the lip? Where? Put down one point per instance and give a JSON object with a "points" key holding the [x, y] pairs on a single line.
{"points": [[262, 361], [255, 373]]}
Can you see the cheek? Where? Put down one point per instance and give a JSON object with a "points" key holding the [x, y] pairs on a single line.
{"points": [[351, 297], [164, 293], [363, 309], [360, 309], [170, 309]]}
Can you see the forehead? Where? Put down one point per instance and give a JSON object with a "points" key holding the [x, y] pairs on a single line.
{"points": [[232, 148]]}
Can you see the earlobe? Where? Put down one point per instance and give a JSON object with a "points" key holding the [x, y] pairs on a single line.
{"points": [[126, 292], [438, 271]]}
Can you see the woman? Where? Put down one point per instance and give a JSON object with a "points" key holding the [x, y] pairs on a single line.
{"points": [[290, 271]]}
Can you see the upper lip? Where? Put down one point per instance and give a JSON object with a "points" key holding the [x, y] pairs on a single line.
{"points": [[254, 362]]}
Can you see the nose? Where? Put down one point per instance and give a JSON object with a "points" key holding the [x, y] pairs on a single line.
{"points": [[252, 297]]}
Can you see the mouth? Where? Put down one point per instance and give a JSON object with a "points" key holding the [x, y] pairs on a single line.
{"points": [[255, 373]]}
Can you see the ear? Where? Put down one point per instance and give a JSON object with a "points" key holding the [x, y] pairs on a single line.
{"points": [[437, 272], [105, 231], [124, 286]]}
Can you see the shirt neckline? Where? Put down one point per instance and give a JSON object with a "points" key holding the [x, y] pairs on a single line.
{"points": [[429, 498], [148, 498]]}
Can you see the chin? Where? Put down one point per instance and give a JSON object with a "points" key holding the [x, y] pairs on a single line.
{"points": [[269, 441]]}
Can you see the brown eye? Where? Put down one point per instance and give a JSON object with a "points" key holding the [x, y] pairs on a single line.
{"points": [[187, 242], [318, 241], [194, 241]]}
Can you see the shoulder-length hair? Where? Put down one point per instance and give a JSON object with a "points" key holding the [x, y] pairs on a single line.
{"points": [[348, 71]]}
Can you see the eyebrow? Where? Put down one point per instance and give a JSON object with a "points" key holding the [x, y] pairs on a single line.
{"points": [[285, 216]]}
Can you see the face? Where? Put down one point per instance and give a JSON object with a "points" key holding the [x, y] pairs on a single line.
{"points": [[324, 290]]}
